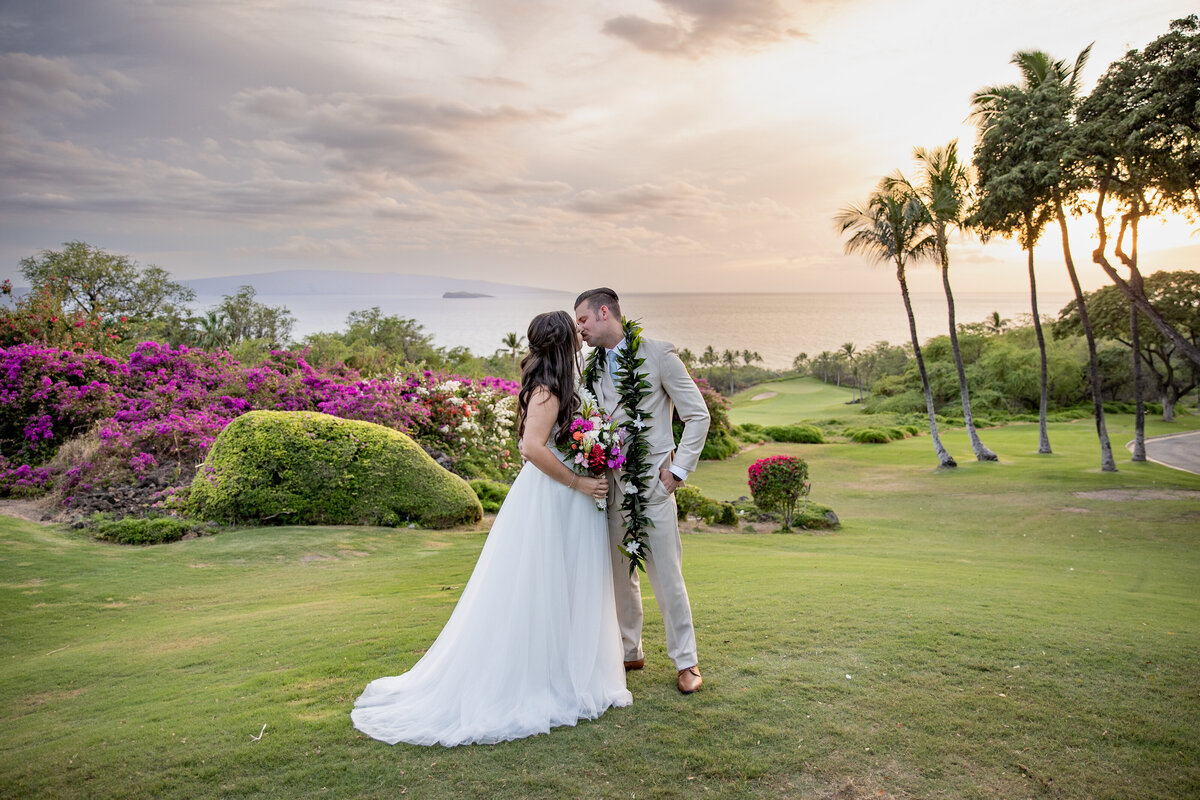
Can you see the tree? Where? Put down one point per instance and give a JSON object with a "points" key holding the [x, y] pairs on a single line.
{"points": [[247, 319], [849, 352], [729, 359], [750, 356], [799, 361], [39, 317], [823, 363], [94, 282], [213, 332], [1140, 135], [512, 341], [1019, 165], [709, 359], [1176, 297], [943, 194], [687, 357], [890, 226]]}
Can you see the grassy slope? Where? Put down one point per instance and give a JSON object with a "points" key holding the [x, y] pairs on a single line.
{"points": [[1003, 637], [794, 400]]}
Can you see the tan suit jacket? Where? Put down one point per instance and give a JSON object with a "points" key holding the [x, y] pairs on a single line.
{"points": [[670, 388]]}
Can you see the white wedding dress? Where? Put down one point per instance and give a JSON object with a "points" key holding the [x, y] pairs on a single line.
{"points": [[533, 642]]}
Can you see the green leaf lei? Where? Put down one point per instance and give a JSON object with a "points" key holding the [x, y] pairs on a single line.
{"points": [[632, 389]]}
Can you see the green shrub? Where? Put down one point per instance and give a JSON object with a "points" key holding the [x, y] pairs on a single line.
{"points": [[749, 433], [805, 434], [896, 434], [868, 435], [912, 430], [147, 530], [491, 494], [720, 446], [305, 468], [689, 500]]}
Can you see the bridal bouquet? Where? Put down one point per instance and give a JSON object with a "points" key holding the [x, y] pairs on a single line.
{"points": [[594, 443]]}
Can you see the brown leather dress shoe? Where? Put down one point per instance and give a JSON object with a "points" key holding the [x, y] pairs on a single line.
{"points": [[689, 679], [632, 665]]}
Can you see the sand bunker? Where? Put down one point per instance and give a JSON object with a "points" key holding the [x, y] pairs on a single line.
{"points": [[763, 396]]}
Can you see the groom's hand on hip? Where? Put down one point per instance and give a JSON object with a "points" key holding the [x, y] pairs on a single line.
{"points": [[669, 480]]}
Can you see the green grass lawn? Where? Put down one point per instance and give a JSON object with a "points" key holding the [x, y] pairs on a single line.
{"points": [[793, 400], [995, 631]]}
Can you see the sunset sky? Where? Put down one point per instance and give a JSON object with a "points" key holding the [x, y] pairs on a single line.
{"points": [[652, 145]]}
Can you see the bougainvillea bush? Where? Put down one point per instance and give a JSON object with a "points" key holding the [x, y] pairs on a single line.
{"points": [[149, 420], [778, 483]]}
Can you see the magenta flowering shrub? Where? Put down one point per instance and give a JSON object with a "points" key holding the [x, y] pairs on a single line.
{"points": [[154, 416], [777, 484], [49, 395], [22, 480]]}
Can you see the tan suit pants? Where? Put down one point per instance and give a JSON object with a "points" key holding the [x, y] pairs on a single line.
{"points": [[664, 566]]}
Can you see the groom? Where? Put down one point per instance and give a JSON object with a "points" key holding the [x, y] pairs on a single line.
{"points": [[598, 315]]}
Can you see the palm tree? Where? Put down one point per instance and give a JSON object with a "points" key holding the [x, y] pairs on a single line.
{"points": [[848, 352], [996, 324], [512, 342], [1019, 159], [709, 359], [890, 227], [799, 361], [729, 359], [822, 363], [1039, 70], [214, 332], [943, 192]]}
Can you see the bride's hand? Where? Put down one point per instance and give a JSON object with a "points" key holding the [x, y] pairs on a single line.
{"points": [[595, 487]]}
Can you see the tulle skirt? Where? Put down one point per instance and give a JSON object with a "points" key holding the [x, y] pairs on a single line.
{"points": [[533, 642]]}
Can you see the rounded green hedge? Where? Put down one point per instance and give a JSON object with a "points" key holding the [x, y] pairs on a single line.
{"points": [[869, 436], [306, 468], [802, 434], [491, 493]]}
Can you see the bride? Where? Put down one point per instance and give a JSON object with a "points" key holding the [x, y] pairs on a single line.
{"points": [[533, 642]]}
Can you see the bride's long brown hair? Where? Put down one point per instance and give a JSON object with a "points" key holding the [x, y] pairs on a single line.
{"points": [[550, 363]]}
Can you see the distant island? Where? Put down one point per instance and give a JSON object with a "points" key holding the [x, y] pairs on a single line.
{"points": [[463, 295]]}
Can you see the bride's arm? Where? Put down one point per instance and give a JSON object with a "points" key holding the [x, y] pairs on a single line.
{"points": [[539, 421]]}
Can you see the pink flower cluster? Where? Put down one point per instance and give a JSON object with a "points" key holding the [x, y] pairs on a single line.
{"points": [[164, 406]]}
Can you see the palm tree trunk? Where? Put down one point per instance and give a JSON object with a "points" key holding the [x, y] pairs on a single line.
{"points": [[944, 458], [1139, 423], [982, 453], [1043, 434], [1106, 457]]}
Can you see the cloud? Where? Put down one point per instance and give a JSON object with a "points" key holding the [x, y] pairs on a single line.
{"points": [[403, 135], [308, 247], [500, 82], [516, 186], [679, 200], [32, 83], [695, 27]]}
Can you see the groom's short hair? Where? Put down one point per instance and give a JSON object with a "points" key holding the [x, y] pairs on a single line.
{"points": [[600, 297]]}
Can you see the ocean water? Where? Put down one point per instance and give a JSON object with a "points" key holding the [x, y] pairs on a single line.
{"points": [[776, 326]]}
